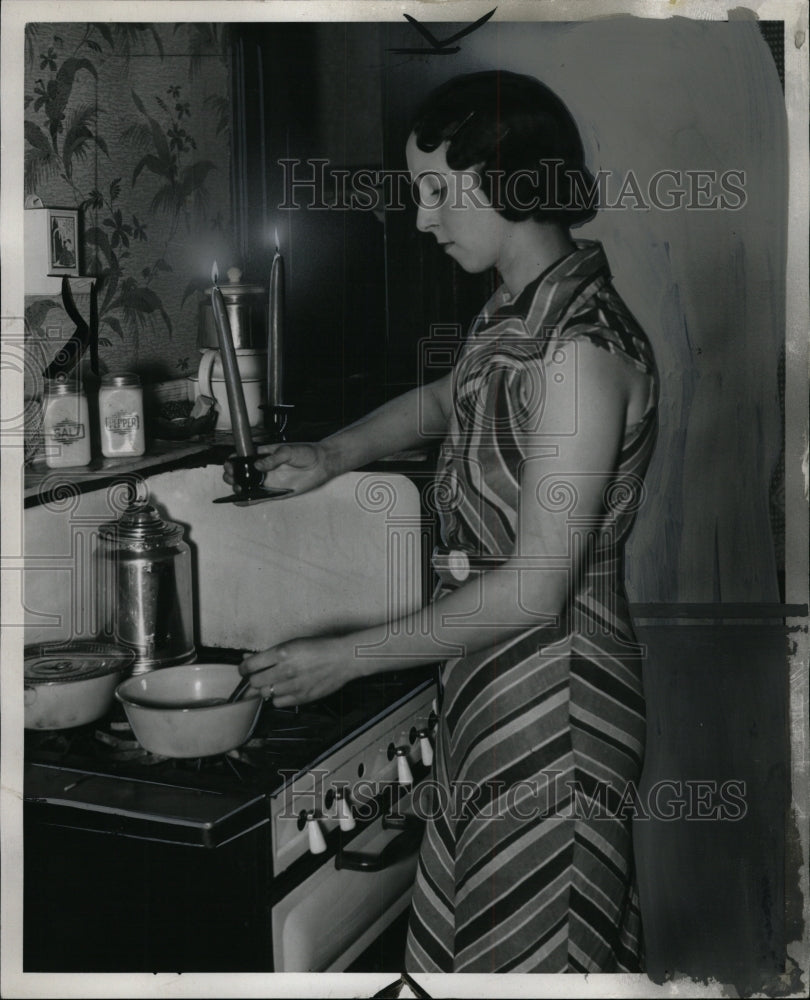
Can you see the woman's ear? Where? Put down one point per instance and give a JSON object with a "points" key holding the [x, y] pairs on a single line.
{"points": [[478, 187]]}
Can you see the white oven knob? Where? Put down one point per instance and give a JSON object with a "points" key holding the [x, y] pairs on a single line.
{"points": [[425, 747], [404, 776], [317, 843], [344, 810]]}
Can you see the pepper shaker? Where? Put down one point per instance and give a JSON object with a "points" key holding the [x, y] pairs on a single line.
{"points": [[120, 402]]}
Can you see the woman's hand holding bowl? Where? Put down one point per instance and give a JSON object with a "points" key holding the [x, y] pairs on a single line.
{"points": [[301, 670]]}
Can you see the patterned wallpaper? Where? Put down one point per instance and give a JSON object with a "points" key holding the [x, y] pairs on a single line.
{"points": [[130, 124]]}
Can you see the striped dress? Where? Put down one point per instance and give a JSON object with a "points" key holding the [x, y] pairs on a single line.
{"points": [[527, 860]]}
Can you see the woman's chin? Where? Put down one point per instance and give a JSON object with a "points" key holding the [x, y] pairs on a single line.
{"points": [[464, 261], [472, 267]]}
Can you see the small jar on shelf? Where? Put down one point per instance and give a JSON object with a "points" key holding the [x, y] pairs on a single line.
{"points": [[120, 404], [66, 425]]}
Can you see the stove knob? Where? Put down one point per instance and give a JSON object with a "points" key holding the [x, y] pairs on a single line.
{"points": [[344, 810], [404, 776], [317, 843], [425, 747]]}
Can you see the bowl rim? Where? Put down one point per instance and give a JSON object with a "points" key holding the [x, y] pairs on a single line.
{"points": [[127, 700], [143, 706]]}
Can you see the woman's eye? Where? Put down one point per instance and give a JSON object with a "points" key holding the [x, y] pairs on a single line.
{"points": [[430, 192]]}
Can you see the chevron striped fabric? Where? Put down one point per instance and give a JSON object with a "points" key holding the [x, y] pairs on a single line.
{"points": [[527, 860]]}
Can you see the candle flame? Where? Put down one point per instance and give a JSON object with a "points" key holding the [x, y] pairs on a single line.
{"points": [[276, 231], [215, 273]]}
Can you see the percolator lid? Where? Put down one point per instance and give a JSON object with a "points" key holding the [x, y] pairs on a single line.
{"points": [[141, 523]]}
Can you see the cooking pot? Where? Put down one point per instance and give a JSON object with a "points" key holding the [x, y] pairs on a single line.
{"points": [[144, 581], [70, 684], [246, 306], [168, 714]]}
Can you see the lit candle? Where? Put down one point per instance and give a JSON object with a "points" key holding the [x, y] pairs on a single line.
{"points": [[275, 339], [233, 384]]}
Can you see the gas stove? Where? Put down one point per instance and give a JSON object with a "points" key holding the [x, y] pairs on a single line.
{"points": [[288, 826], [316, 725], [96, 767], [109, 747]]}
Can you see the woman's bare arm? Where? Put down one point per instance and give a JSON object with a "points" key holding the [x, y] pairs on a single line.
{"points": [[531, 589], [407, 421], [415, 418]]}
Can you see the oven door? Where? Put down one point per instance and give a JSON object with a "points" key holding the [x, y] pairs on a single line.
{"points": [[333, 915]]}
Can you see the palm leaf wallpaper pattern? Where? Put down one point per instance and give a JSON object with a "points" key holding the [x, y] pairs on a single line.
{"points": [[130, 124]]}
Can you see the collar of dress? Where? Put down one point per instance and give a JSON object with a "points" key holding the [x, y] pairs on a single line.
{"points": [[547, 297]]}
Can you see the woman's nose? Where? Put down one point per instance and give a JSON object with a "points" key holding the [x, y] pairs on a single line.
{"points": [[425, 218]]}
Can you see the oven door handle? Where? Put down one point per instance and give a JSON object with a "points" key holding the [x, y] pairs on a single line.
{"points": [[406, 842]]}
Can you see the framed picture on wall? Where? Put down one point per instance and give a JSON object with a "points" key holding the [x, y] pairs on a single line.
{"points": [[63, 236]]}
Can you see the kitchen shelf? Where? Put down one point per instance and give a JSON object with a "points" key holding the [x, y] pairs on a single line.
{"points": [[42, 482]]}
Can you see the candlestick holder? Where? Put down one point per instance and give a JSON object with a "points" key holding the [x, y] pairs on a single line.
{"points": [[249, 480], [276, 417]]}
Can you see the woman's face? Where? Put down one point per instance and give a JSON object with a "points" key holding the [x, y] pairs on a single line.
{"points": [[454, 208]]}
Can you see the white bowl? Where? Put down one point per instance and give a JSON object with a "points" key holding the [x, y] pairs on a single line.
{"points": [[161, 709]]}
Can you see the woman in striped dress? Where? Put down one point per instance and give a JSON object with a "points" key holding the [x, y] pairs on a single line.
{"points": [[549, 421]]}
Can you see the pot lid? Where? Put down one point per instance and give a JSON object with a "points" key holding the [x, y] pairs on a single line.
{"points": [[59, 663], [141, 524]]}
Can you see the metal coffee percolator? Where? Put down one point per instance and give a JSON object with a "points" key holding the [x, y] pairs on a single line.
{"points": [[144, 588], [246, 306]]}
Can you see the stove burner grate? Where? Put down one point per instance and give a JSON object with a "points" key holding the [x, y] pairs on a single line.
{"points": [[121, 745], [284, 740], [59, 742]]}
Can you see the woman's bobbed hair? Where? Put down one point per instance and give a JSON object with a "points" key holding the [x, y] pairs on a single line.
{"points": [[520, 139]]}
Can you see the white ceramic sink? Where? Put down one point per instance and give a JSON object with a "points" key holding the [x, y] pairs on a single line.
{"points": [[343, 556]]}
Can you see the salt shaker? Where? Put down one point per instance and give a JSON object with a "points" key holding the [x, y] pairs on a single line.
{"points": [[66, 425], [120, 402]]}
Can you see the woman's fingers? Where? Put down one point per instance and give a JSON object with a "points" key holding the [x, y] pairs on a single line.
{"points": [[227, 475], [257, 662], [271, 683], [272, 679], [268, 461], [270, 455], [298, 670], [263, 679], [297, 467], [298, 456]]}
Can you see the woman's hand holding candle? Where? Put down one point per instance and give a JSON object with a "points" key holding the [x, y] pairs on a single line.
{"points": [[296, 467]]}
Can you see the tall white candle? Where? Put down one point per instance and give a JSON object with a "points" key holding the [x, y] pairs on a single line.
{"points": [[236, 397], [275, 338]]}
